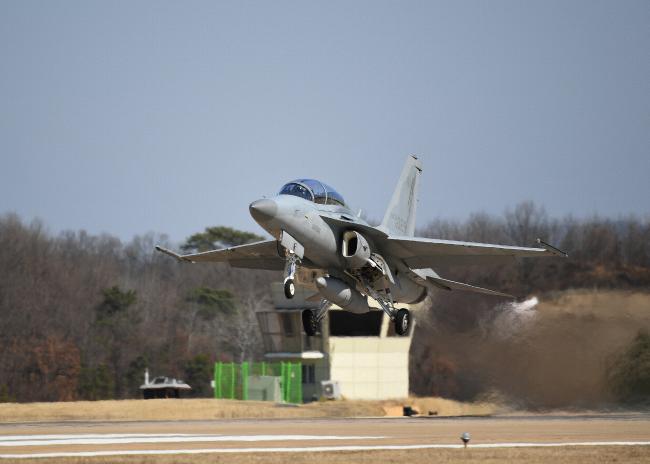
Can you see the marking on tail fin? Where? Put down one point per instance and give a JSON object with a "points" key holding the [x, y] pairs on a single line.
{"points": [[400, 214]]}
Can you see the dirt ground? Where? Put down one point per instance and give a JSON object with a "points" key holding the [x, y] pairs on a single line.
{"points": [[369, 432], [205, 409], [244, 427], [608, 454]]}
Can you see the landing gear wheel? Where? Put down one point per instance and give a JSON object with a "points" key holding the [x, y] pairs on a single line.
{"points": [[310, 323], [402, 322], [289, 289]]}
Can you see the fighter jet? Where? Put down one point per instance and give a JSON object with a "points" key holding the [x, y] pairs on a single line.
{"points": [[321, 244]]}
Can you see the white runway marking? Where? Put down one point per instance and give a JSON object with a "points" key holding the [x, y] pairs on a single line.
{"points": [[114, 438], [318, 449]]}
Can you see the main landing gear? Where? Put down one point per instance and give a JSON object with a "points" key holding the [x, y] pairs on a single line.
{"points": [[400, 317], [402, 322], [310, 323], [311, 318]]}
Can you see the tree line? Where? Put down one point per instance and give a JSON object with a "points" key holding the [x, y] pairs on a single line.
{"points": [[82, 315]]}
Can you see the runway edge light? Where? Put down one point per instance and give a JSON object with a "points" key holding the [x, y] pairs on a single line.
{"points": [[465, 437]]}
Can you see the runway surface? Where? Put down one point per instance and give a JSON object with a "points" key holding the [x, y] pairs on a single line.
{"points": [[313, 435]]}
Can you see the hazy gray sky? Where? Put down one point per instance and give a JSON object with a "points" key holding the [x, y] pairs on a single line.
{"points": [[136, 116]]}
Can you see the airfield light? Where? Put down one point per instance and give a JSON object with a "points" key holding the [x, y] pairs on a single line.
{"points": [[465, 437]]}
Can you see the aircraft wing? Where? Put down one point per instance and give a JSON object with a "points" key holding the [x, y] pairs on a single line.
{"points": [[426, 252], [258, 255]]}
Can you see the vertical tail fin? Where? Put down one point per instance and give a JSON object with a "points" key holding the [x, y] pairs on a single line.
{"points": [[400, 215]]}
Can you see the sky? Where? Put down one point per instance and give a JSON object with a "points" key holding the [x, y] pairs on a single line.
{"points": [[130, 117]]}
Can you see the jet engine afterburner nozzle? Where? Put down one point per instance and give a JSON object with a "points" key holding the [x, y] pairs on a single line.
{"points": [[341, 294], [263, 210]]}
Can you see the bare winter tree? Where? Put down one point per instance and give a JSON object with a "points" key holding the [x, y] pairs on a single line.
{"points": [[526, 223], [51, 287]]}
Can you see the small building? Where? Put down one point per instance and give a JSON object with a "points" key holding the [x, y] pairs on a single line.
{"points": [[357, 355]]}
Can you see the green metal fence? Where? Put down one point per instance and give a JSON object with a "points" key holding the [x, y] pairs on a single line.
{"points": [[231, 379]]}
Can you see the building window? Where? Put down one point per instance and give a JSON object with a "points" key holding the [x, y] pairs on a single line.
{"points": [[308, 373], [287, 324]]}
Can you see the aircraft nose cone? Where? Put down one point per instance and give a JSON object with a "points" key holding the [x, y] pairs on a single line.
{"points": [[263, 210]]}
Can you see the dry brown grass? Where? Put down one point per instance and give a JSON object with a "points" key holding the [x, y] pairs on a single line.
{"points": [[591, 454], [206, 409], [443, 407]]}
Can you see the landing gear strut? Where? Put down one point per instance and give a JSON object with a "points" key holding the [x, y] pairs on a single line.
{"points": [[289, 284], [401, 318]]}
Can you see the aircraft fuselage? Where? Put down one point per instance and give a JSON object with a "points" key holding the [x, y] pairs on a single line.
{"points": [[301, 218], [322, 242]]}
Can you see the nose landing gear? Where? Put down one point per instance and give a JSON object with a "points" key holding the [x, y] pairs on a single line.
{"points": [[294, 252], [289, 288], [289, 284]]}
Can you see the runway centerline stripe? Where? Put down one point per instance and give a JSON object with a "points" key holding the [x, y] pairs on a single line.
{"points": [[27, 440], [318, 449], [96, 435]]}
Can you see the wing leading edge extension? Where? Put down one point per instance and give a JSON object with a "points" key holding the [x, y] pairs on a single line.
{"points": [[259, 255]]}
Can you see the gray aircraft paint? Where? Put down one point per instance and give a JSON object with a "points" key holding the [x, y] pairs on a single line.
{"points": [[400, 267], [400, 214]]}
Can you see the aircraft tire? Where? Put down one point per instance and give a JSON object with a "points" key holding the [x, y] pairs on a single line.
{"points": [[402, 322], [309, 322], [289, 288]]}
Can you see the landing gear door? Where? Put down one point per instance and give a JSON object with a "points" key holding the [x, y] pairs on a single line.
{"points": [[291, 244]]}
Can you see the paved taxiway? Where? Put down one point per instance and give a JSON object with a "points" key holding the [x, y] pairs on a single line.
{"points": [[230, 436]]}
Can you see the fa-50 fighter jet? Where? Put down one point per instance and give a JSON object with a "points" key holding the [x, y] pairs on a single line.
{"points": [[321, 244]]}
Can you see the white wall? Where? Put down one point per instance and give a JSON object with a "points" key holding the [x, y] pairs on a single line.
{"points": [[370, 367]]}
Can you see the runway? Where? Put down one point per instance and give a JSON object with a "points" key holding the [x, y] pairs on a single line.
{"points": [[63, 439]]}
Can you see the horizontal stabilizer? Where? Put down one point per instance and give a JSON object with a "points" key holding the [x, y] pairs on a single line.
{"points": [[446, 284]]}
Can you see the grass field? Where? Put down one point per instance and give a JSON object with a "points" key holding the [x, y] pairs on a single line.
{"points": [[591, 454], [206, 409]]}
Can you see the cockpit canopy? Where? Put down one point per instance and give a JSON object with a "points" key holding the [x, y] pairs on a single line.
{"points": [[313, 190]]}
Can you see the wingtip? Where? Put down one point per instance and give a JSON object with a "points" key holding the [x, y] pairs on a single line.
{"points": [[551, 249], [172, 254]]}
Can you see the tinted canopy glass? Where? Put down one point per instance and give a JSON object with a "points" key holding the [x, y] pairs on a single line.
{"points": [[313, 190], [297, 190]]}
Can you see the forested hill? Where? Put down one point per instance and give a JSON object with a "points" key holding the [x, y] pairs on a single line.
{"points": [[82, 315]]}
